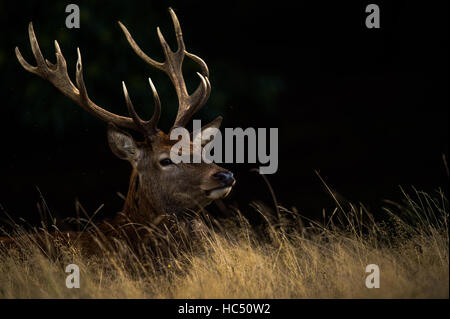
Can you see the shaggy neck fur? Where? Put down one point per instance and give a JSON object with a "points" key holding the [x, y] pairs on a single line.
{"points": [[145, 202]]}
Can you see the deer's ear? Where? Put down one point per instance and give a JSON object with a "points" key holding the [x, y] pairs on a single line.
{"points": [[122, 144], [208, 131]]}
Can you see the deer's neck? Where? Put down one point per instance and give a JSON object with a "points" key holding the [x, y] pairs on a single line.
{"points": [[145, 200], [139, 205]]}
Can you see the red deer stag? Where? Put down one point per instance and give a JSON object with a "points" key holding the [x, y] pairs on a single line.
{"points": [[158, 187]]}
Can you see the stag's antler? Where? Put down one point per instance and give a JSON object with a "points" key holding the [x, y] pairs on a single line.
{"points": [[172, 66], [58, 76], [148, 128]]}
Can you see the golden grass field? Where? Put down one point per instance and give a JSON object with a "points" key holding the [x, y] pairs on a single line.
{"points": [[290, 257]]}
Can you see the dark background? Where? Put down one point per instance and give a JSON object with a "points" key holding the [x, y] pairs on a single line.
{"points": [[367, 108]]}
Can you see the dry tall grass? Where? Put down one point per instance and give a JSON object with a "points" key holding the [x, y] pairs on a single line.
{"points": [[291, 257]]}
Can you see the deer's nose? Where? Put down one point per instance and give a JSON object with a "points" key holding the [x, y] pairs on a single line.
{"points": [[226, 178]]}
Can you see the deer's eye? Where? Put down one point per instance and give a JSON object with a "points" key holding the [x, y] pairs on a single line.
{"points": [[165, 162]]}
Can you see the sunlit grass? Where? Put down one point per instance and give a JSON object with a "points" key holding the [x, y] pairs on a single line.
{"points": [[290, 257]]}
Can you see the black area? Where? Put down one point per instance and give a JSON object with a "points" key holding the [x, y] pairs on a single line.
{"points": [[279, 308], [367, 108]]}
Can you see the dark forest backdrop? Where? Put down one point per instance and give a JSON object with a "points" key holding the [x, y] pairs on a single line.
{"points": [[368, 108]]}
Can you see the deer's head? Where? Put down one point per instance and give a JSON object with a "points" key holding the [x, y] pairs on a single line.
{"points": [[157, 185]]}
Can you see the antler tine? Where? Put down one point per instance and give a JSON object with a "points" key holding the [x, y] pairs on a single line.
{"points": [[35, 46], [58, 76], [137, 120], [157, 112], [172, 66], [184, 116], [148, 128], [200, 62], [178, 32], [139, 52]]}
